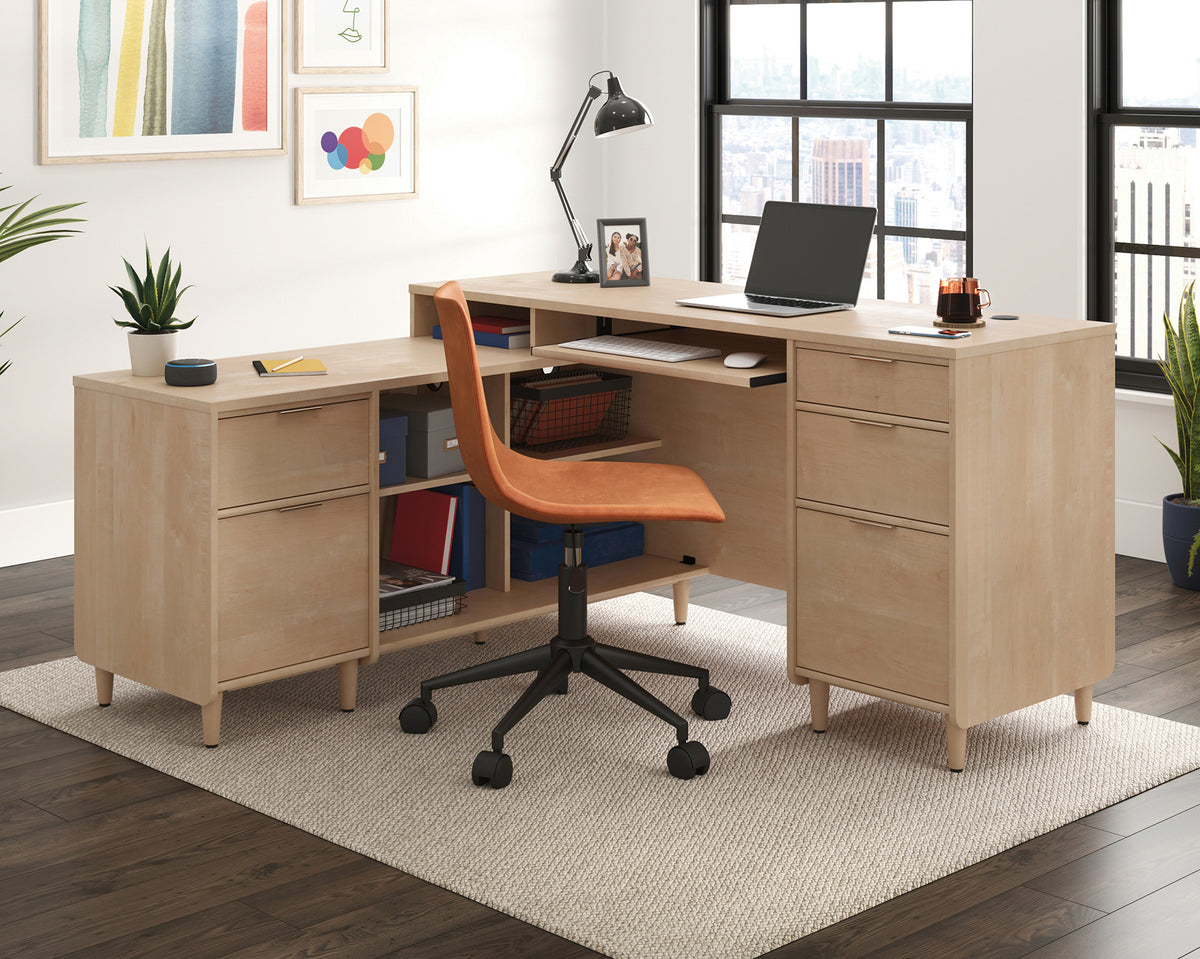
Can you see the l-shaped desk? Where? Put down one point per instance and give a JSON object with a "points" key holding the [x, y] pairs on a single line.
{"points": [[939, 512]]}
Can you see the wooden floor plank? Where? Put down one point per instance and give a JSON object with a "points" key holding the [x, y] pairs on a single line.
{"points": [[1152, 806], [1156, 695]]}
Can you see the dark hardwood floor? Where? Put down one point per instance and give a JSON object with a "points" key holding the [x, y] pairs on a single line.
{"points": [[102, 857]]}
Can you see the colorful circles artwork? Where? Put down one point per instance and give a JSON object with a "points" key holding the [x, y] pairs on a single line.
{"points": [[360, 148]]}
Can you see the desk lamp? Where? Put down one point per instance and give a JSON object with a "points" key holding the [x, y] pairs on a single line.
{"points": [[618, 114]]}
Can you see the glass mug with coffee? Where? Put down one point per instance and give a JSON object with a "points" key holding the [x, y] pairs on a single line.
{"points": [[960, 299]]}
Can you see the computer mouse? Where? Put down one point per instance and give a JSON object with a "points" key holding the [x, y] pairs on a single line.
{"points": [[743, 361]]}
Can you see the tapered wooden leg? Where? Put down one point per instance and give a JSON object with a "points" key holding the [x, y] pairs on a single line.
{"points": [[104, 686], [680, 590], [348, 684], [956, 746], [480, 637], [1083, 705], [818, 698], [210, 716]]}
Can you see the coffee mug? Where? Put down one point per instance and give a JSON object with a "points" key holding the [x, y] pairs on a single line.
{"points": [[961, 299]]}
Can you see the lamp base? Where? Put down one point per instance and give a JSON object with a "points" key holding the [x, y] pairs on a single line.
{"points": [[579, 273]]}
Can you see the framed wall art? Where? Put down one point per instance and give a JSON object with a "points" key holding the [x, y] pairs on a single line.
{"points": [[356, 143], [342, 36], [624, 259], [155, 79]]}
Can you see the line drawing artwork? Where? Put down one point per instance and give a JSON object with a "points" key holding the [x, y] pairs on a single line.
{"points": [[350, 34]]}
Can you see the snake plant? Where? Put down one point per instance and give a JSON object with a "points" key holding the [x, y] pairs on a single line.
{"points": [[152, 301], [1182, 370]]}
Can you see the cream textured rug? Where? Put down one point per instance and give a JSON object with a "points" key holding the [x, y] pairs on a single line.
{"points": [[594, 840]]}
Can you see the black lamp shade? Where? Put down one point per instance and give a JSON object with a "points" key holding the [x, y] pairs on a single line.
{"points": [[620, 113]]}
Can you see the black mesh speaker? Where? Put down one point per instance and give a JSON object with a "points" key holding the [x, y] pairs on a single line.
{"points": [[190, 372]]}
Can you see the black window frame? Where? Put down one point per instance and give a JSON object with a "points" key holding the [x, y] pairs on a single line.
{"points": [[1107, 114], [717, 103]]}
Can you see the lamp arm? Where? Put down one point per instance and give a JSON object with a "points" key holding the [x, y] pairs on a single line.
{"points": [[581, 240]]}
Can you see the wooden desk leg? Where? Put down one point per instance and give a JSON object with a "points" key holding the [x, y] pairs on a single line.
{"points": [[480, 637], [104, 686], [1083, 705], [956, 745], [210, 716], [348, 684], [818, 698], [680, 590]]}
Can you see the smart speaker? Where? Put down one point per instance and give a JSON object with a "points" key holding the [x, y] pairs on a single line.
{"points": [[190, 372]]}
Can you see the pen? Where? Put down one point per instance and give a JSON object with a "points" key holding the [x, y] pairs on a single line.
{"points": [[276, 369]]}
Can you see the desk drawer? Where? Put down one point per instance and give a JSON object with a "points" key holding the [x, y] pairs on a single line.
{"points": [[293, 585], [309, 449], [878, 467], [873, 604], [899, 387]]}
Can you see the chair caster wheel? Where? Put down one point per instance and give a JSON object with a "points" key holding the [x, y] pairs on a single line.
{"points": [[711, 703], [562, 689], [418, 716], [688, 760], [492, 769]]}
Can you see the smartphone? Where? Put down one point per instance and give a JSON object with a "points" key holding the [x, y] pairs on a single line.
{"points": [[929, 331]]}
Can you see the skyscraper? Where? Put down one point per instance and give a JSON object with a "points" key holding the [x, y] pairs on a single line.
{"points": [[841, 171]]}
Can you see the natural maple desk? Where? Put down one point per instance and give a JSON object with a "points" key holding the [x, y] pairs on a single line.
{"points": [[940, 513]]}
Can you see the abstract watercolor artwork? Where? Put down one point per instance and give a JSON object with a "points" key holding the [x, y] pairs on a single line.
{"points": [[356, 143], [342, 36], [147, 79]]}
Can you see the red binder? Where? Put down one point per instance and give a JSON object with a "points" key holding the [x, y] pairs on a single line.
{"points": [[424, 530]]}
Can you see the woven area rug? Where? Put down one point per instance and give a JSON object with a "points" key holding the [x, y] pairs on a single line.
{"points": [[594, 840]]}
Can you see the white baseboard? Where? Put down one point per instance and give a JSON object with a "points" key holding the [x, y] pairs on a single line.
{"points": [[1139, 530], [31, 533]]}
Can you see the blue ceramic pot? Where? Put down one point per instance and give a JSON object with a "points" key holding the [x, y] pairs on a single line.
{"points": [[1180, 524]]}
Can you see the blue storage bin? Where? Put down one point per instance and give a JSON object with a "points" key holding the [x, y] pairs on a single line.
{"points": [[537, 551]]}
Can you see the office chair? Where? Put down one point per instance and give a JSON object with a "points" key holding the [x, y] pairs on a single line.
{"points": [[569, 493]]}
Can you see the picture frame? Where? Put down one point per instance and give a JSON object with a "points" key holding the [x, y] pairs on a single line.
{"points": [[130, 80], [629, 264], [336, 131], [343, 36]]}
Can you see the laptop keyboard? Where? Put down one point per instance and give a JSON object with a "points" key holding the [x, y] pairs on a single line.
{"points": [[788, 301], [642, 349]]}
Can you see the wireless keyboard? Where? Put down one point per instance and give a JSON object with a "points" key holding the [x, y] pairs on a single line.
{"points": [[642, 349]]}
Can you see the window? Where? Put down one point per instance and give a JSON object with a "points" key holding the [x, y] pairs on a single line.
{"points": [[1145, 171], [861, 102]]}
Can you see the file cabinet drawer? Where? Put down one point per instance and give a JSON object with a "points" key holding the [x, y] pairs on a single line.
{"points": [[873, 604], [293, 585], [898, 387], [309, 449], [877, 467]]}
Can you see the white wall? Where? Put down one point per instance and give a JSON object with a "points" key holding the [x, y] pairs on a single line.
{"points": [[499, 84]]}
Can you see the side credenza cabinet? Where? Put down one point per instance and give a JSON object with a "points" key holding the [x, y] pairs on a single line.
{"points": [[946, 548]]}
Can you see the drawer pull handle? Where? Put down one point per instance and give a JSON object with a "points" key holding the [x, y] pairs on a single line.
{"points": [[301, 409], [873, 359], [867, 522], [886, 426], [289, 509]]}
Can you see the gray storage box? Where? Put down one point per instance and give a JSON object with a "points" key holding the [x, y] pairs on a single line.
{"points": [[431, 448]]}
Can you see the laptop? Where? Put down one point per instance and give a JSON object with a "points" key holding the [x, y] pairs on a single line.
{"points": [[808, 258]]}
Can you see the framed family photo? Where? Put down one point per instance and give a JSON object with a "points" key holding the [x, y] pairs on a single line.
{"points": [[138, 80], [356, 143], [342, 36], [623, 254]]}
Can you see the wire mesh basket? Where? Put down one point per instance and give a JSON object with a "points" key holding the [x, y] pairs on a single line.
{"points": [[572, 407], [436, 604]]}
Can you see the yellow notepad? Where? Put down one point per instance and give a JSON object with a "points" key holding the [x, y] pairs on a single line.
{"points": [[306, 367]]}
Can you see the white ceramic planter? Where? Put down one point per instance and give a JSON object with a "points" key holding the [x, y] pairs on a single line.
{"points": [[149, 352]]}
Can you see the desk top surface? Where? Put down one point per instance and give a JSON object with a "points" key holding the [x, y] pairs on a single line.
{"points": [[405, 362]]}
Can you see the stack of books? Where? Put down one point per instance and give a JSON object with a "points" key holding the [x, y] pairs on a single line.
{"points": [[408, 595], [496, 331]]}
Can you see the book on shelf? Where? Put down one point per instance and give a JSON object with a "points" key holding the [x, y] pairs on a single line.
{"points": [[300, 367], [497, 324], [423, 531], [467, 553], [505, 341], [397, 580]]}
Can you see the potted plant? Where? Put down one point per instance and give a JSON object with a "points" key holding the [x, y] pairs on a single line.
{"points": [[1181, 511], [151, 304], [20, 230]]}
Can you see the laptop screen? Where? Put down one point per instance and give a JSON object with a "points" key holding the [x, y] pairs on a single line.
{"points": [[811, 251]]}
